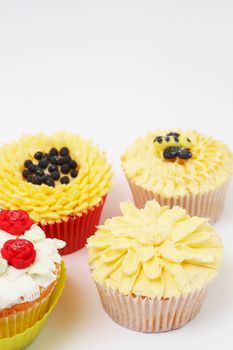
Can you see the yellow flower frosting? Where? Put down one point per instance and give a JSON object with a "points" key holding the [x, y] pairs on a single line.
{"points": [[210, 166], [47, 204], [155, 251]]}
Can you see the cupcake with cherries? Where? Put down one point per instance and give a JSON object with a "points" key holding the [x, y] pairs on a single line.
{"points": [[61, 180], [152, 266], [179, 168], [30, 269]]}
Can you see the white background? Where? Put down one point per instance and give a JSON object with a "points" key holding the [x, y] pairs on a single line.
{"points": [[111, 71]]}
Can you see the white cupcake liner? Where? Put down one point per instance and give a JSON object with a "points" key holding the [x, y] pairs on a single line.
{"points": [[151, 315], [208, 204]]}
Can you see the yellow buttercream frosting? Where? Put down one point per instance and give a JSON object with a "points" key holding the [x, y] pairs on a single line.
{"points": [[155, 251], [47, 204], [210, 166]]}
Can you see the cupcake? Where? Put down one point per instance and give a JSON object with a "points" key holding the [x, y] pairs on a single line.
{"points": [[187, 169], [152, 266], [61, 180], [30, 267]]}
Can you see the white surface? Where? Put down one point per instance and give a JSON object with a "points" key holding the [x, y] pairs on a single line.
{"points": [[112, 70]]}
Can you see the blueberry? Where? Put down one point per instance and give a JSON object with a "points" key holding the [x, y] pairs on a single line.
{"points": [[167, 138], [53, 152], [50, 183], [64, 180], [39, 172], [184, 153], [52, 168], [74, 173], [73, 164], [46, 156], [65, 168], [55, 175], [53, 160], [32, 167], [26, 173], [64, 151], [174, 134], [38, 155], [27, 163], [170, 152], [46, 178], [60, 161], [158, 139], [36, 180], [64, 160], [30, 178], [43, 163], [176, 139]]}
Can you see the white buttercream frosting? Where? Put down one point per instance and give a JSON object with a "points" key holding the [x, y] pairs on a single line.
{"points": [[24, 285]]}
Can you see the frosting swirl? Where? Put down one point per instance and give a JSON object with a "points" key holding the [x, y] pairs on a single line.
{"points": [[155, 251], [47, 204], [210, 166]]}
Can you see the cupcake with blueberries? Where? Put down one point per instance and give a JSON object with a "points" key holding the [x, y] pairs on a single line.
{"points": [[61, 180], [179, 168], [30, 270], [152, 266]]}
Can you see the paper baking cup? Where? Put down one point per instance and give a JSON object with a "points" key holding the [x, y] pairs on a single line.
{"points": [[76, 229], [19, 321], [208, 204], [21, 340], [151, 315]]}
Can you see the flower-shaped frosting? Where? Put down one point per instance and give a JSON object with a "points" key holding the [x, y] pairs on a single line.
{"points": [[15, 222], [48, 204], [28, 263], [19, 253], [155, 251], [210, 166]]}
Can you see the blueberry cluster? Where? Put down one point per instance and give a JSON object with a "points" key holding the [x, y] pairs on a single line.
{"points": [[180, 152], [49, 168], [176, 145]]}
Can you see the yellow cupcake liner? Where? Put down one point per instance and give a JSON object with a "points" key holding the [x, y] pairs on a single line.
{"points": [[23, 339], [19, 321], [151, 315], [209, 204]]}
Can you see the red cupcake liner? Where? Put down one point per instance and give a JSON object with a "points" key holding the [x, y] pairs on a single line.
{"points": [[76, 229]]}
